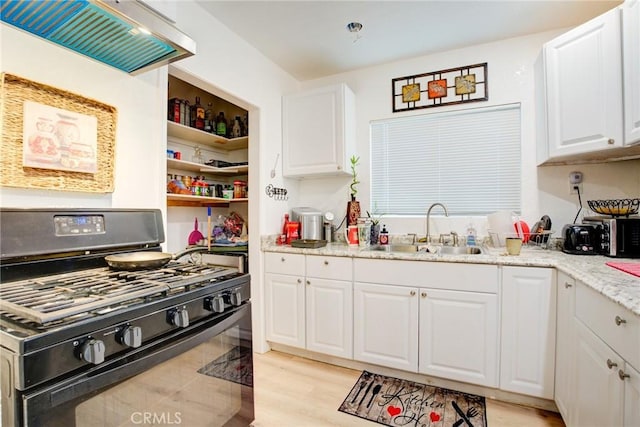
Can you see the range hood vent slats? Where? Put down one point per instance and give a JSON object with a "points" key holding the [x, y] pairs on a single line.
{"points": [[96, 30]]}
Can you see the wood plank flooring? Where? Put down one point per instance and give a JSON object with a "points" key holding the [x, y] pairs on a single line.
{"points": [[292, 391]]}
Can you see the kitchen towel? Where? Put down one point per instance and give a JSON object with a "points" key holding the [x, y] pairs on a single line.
{"points": [[395, 402], [235, 365], [627, 267]]}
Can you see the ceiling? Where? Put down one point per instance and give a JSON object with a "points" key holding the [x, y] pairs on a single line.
{"points": [[309, 39]]}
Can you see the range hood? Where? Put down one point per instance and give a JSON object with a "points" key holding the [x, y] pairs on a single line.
{"points": [[125, 34]]}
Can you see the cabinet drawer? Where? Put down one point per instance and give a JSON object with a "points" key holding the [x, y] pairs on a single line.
{"points": [[284, 263], [615, 325], [327, 267], [437, 275]]}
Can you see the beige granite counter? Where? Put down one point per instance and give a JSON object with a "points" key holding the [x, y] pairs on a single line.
{"points": [[618, 286]]}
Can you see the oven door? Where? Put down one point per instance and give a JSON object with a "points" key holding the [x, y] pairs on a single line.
{"points": [[202, 376]]}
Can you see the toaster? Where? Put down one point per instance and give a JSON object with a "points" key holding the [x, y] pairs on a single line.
{"points": [[580, 239]]}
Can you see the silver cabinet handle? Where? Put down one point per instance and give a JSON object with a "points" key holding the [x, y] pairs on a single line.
{"points": [[412, 293], [622, 375], [299, 280], [326, 262], [308, 282], [620, 320], [611, 141], [282, 259], [424, 294], [611, 364], [567, 285]]}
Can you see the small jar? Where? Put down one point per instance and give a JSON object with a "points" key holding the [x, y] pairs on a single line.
{"points": [[239, 191]]}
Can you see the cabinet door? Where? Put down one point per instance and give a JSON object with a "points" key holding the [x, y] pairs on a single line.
{"points": [[583, 70], [329, 317], [631, 64], [459, 336], [528, 331], [598, 392], [284, 309], [565, 341], [631, 397], [318, 132], [385, 324]]}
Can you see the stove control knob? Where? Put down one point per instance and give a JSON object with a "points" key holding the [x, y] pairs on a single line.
{"points": [[131, 336], [179, 317], [214, 304], [92, 351], [236, 297]]}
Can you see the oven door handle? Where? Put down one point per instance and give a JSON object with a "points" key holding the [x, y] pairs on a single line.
{"points": [[122, 369]]}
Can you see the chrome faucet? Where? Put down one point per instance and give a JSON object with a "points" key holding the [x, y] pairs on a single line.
{"points": [[429, 215]]}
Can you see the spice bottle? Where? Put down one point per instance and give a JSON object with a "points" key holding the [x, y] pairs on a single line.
{"points": [[384, 236]]}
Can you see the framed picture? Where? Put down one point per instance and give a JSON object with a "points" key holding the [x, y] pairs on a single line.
{"points": [[437, 88]]}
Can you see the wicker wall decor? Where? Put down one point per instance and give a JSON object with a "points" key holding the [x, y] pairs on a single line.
{"points": [[14, 92]]}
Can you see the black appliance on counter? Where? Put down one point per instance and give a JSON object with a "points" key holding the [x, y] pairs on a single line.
{"points": [[619, 237], [83, 344], [580, 239]]}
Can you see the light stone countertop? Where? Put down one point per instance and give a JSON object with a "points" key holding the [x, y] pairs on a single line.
{"points": [[618, 286]]}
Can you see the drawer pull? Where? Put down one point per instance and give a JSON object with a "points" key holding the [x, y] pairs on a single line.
{"points": [[282, 259], [412, 293], [622, 375], [611, 141], [326, 262], [424, 294], [611, 364], [567, 285], [308, 282], [620, 320], [299, 281]]}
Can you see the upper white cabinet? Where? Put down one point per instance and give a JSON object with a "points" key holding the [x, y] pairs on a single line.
{"points": [[631, 72], [528, 331], [583, 102], [318, 132]]}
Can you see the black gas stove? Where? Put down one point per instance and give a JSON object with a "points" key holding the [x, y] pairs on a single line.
{"points": [[72, 327]]}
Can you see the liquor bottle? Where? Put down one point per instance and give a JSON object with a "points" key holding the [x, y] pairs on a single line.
{"points": [[199, 114], [236, 132], [221, 125], [209, 119]]}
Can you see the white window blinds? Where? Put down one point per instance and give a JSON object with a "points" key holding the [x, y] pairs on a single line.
{"points": [[469, 160]]}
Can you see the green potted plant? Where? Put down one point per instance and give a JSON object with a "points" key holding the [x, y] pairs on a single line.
{"points": [[375, 225], [353, 206]]}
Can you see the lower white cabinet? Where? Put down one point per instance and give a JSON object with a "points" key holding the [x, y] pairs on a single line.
{"points": [[309, 306], [565, 346], [598, 391], [527, 353], [386, 325], [459, 335]]}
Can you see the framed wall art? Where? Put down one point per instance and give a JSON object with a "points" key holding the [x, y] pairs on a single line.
{"points": [[444, 87]]}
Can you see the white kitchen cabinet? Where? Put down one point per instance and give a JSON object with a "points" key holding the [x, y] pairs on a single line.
{"points": [[631, 416], [386, 325], [459, 336], [583, 73], [528, 331], [285, 298], [309, 302], [631, 70], [598, 392], [318, 132], [329, 305], [565, 345]]}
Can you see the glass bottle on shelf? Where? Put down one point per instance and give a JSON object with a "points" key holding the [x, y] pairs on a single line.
{"points": [[209, 119], [236, 132], [199, 114], [197, 155], [221, 125]]}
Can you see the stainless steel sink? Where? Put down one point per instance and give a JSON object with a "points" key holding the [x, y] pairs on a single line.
{"points": [[460, 250], [394, 248]]}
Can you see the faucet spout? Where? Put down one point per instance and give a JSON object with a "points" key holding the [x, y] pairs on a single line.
{"points": [[429, 216]]}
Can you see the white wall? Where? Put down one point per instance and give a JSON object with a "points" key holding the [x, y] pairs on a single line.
{"points": [[511, 80]]}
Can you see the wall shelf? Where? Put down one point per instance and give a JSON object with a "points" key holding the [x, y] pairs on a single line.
{"points": [[198, 167], [188, 200], [197, 136]]}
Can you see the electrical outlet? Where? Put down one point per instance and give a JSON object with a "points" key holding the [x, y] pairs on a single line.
{"points": [[574, 188]]}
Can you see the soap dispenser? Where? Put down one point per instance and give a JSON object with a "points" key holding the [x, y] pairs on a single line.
{"points": [[471, 235], [384, 235]]}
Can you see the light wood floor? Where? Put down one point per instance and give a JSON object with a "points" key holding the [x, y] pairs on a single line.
{"points": [[297, 392]]}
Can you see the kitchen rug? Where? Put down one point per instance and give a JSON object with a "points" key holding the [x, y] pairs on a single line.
{"points": [[627, 267], [395, 402], [235, 365]]}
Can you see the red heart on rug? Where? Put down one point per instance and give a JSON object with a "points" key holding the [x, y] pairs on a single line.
{"points": [[434, 417], [393, 410]]}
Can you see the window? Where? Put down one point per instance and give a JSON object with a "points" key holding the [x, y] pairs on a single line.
{"points": [[468, 160]]}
